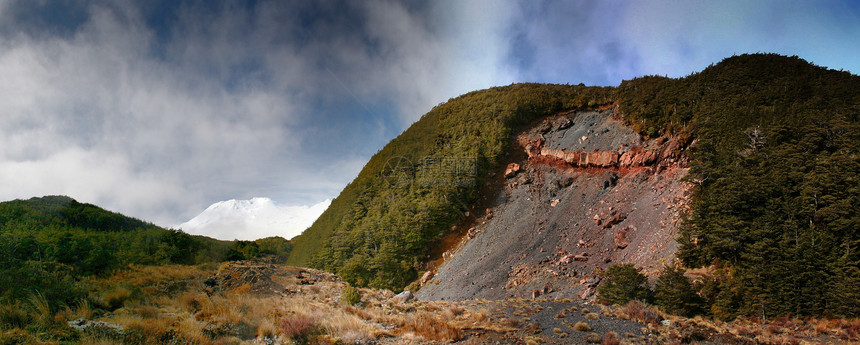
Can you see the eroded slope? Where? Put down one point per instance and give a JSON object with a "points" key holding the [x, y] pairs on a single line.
{"points": [[592, 192]]}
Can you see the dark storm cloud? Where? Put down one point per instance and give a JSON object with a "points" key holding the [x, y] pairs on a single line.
{"points": [[160, 108]]}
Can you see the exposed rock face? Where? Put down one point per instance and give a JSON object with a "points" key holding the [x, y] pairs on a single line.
{"points": [[404, 296], [426, 277], [597, 194], [512, 170], [620, 238]]}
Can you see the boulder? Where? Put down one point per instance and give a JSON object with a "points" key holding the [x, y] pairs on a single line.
{"points": [[618, 218], [472, 232], [620, 239], [566, 259], [426, 277], [564, 124], [512, 170], [404, 296]]}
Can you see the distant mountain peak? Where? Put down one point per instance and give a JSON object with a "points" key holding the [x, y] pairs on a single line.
{"points": [[252, 219]]}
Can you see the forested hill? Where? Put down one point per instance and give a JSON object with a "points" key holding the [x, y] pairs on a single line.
{"points": [[774, 155], [48, 244], [378, 230], [777, 209], [65, 211]]}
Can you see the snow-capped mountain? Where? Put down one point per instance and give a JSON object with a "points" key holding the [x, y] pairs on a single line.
{"points": [[253, 219]]}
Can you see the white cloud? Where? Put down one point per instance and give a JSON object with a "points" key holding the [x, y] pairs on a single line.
{"points": [[101, 105], [431, 55], [92, 177]]}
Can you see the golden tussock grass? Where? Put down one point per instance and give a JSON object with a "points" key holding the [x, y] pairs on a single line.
{"points": [[581, 326], [431, 328], [172, 304]]}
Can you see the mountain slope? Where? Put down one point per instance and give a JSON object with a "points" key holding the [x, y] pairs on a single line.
{"points": [[773, 165], [50, 244], [378, 230], [588, 192], [253, 219]]}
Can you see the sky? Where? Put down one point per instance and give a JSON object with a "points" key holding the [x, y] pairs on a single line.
{"points": [[160, 108]]}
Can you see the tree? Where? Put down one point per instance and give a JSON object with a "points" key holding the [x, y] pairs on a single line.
{"points": [[624, 283], [675, 294]]}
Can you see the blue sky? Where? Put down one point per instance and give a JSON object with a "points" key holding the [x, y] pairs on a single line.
{"points": [[159, 108]]}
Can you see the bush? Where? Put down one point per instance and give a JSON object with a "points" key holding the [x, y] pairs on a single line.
{"points": [[636, 311], [624, 283], [299, 328], [13, 316], [433, 329], [611, 338], [581, 327], [350, 295], [675, 294]]}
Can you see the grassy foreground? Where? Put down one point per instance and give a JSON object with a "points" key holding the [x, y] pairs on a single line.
{"points": [[261, 303]]}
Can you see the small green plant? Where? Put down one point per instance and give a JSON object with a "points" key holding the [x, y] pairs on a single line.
{"points": [[13, 316], [624, 283], [675, 294], [350, 295], [41, 309]]}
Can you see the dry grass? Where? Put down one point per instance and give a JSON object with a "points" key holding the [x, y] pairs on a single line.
{"points": [[172, 305], [610, 338], [296, 327], [432, 328], [636, 311], [581, 326]]}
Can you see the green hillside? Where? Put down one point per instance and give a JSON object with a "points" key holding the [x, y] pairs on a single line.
{"points": [[775, 214], [378, 230], [48, 244], [776, 211]]}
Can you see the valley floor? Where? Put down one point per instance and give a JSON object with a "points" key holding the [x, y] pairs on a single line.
{"points": [[262, 303]]}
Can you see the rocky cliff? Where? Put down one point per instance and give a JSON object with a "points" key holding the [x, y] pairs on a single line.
{"points": [[583, 192]]}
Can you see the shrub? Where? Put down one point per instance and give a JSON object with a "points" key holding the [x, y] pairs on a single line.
{"points": [[296, 327], [12, 316], [675, 294], [637, 311], [592, 316], [433, 329], [624, 283], [593, 338], [581, 327], [16, 336], [350, 295], [611, 338], [115, 298]]}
